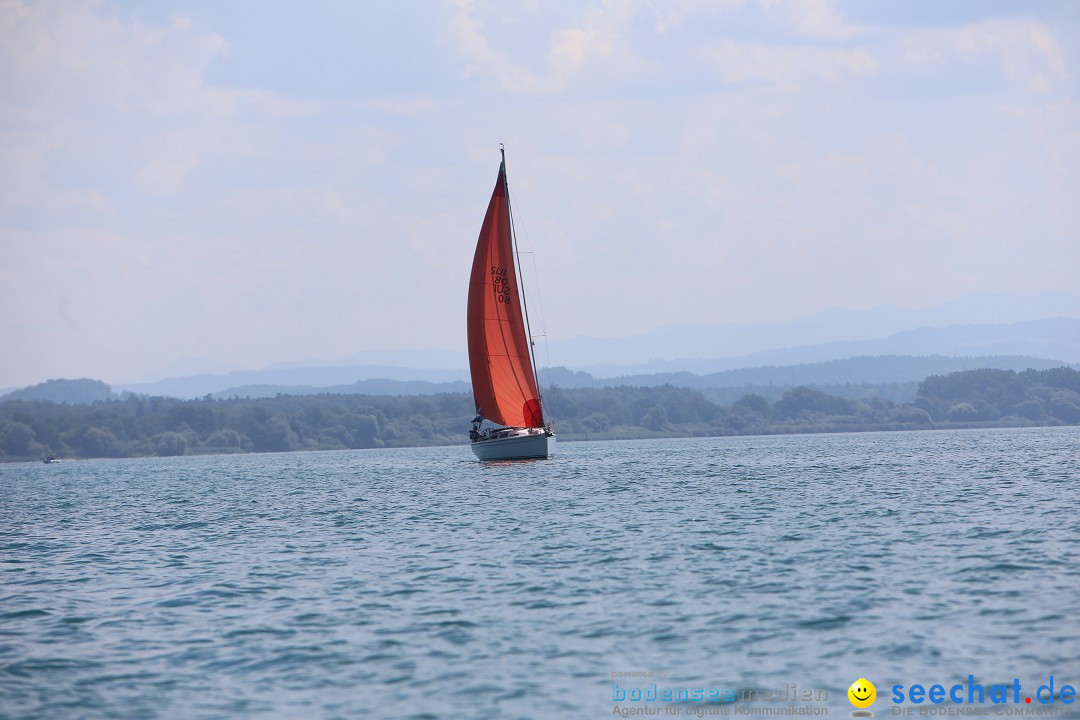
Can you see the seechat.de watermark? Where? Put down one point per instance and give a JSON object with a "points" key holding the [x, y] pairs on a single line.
{"points": [[1051, 697], [972, 698]]}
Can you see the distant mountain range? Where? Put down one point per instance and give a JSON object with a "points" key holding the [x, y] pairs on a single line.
{"points": [[878, 346], [679, 346], [871, 370], [1056, 338], [747, 345], [891, 377], [886, 370]]}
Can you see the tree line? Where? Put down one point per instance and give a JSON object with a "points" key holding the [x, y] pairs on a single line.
{"points": [[145, 426]]}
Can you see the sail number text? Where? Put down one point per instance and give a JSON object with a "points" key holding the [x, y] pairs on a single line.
{"points": [[501, 284]]}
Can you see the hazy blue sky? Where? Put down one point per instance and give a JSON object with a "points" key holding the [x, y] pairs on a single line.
{"points": [[217, 185]]}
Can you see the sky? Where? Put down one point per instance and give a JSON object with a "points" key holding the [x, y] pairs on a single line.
{"points": [[205, 186]]}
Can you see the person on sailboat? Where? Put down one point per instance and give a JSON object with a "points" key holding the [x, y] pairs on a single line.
{"points": [[474, 434]]}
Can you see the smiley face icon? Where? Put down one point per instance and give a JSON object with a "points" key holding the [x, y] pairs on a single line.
{"points": [[862, 693]]}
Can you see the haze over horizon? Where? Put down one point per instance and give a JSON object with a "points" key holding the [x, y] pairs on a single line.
{"points": [[997, 330], [198, 187]]}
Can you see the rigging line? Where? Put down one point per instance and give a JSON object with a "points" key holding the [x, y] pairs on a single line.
{"points": [[536, 276], [521, 288], [539, 295]]}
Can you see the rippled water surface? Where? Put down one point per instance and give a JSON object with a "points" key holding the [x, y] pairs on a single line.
{"points": [[420, 583]]}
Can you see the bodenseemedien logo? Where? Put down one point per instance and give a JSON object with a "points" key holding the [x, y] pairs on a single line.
{"points": [[862, 694]]}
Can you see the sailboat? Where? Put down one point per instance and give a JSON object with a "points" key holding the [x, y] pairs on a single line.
{"points": [[505, 387]]}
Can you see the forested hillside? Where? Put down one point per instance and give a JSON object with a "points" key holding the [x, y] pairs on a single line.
{"points": [[140, 426]]}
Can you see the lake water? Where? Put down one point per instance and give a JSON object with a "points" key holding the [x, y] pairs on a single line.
{"points": [[419, 583]]}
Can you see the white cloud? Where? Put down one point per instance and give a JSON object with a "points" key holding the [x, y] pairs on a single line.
{"points": [[599, 37], [741, 63], [465, 30], [80, 80], [50, 49], [817, 18], [1027, 51], [675, 14]]}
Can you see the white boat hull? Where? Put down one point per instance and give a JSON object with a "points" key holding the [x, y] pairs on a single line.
{"points": [[520, 445]]}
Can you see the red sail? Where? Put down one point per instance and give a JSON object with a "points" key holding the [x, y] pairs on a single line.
{"points": [[504, 385]]}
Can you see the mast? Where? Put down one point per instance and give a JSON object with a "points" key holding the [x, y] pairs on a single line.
{"points": [[521, 282]]}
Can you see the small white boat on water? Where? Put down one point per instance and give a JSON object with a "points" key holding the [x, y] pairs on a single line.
{"points": [[515, 444]]}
